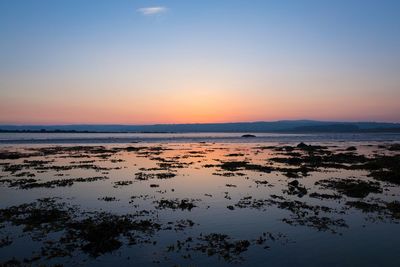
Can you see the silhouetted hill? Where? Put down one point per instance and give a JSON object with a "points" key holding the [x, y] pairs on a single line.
{"points": [[340, 128], [275, 126]]}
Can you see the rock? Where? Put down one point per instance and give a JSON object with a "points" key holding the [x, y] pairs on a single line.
{"points": [[302, 145], [248, 136], [294, 183]]}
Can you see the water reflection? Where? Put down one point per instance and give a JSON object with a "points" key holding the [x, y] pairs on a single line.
{"points": [[200, 203]]}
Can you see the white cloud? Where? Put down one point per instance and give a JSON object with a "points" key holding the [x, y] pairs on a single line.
{"points": [[153, 10]]}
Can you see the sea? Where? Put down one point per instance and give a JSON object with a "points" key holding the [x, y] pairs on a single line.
{"points": [[121, 138], [197, 199]]}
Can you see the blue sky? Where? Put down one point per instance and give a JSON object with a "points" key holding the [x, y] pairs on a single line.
{"points": [[82, 61]]}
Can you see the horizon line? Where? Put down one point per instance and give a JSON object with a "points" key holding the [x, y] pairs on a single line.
{"points": [[195, 123]]}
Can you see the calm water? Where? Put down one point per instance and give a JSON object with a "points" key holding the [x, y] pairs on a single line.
{"points": [[350, 237], [66, 138]]}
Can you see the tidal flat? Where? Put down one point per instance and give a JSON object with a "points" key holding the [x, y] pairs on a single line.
{"points": [[200, 203]]}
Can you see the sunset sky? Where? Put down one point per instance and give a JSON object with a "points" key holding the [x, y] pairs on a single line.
{"points": [[143, 62]]}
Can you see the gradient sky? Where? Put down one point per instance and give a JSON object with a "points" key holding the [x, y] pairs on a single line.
{"points": [[128, 61]]}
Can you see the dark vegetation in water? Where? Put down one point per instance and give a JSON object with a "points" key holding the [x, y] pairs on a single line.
{"points": [[235, 155], [324, 159], [175, 204], [122, 183], [385, 168], [381, 167], [96, 233], [142, 176], [394, 147], [108, 199], [41, 217], [93, 233], [225, 174], [223, 246], [301, 212], [325, 196], [34, 183], [309, 215], [383, 210], [233, 166], [14, 168], [295, 188], [7, 155], [351, 187], [78, 152], [101, 233], [243, 165], [261, 182]]}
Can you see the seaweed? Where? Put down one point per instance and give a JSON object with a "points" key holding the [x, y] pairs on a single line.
{"points": [[351, 187], [108, 199], [244, 165], [122, 183], [302, 213], [142, 176], [176, 204], [94, 233], [390, 210], [34, 183], [324, 196], [222, 245], [294, 188]]}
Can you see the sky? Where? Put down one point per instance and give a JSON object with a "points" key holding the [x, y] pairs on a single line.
{"points": [[187, 61]]}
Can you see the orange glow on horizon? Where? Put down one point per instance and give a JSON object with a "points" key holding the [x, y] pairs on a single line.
{"points": [[176, 109]]}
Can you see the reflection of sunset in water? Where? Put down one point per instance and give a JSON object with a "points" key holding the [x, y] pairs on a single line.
{"points": [[258, 194]]}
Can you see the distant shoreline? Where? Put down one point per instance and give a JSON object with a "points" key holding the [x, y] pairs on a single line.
{"points": [[295, 126], [72, 131], [391, 130]]}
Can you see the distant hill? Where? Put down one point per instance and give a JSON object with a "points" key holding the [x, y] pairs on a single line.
{"points": [[341, 128], [287, 126]]}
